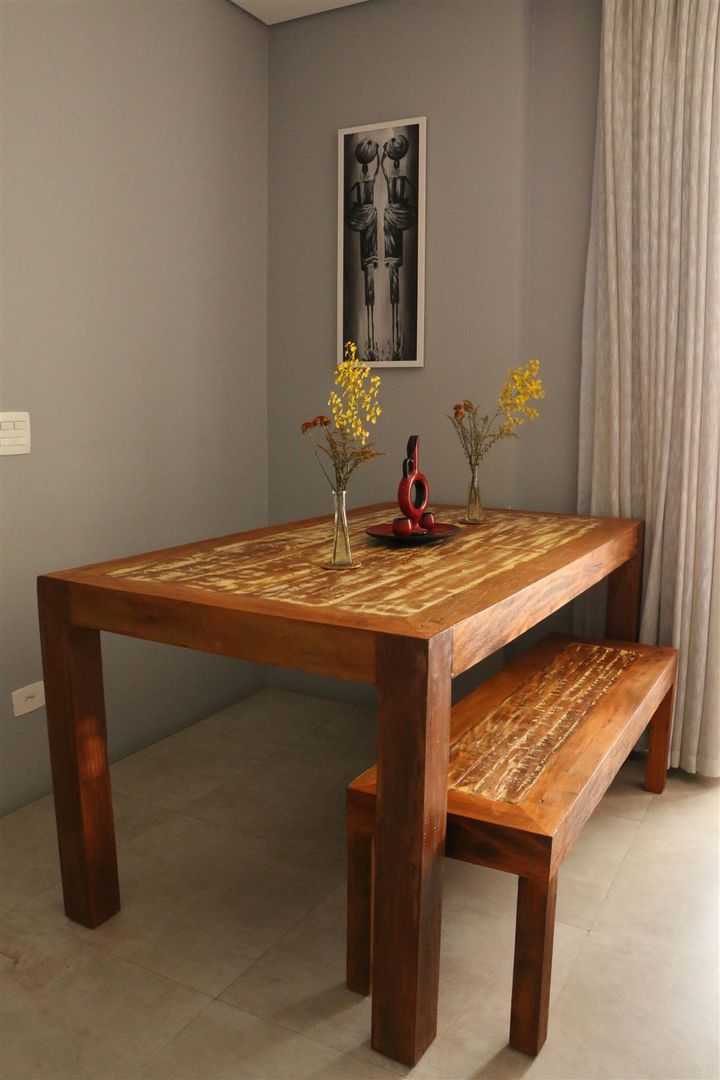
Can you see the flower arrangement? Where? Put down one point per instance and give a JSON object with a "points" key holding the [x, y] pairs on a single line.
{"points": [[353, 405], [344, 444], [478, 434]]}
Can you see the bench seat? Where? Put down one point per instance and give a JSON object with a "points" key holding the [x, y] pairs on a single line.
{"points": [[532, 752]]}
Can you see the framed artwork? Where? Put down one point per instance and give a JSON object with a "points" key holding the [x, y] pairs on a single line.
{"points": [[381, 241]]}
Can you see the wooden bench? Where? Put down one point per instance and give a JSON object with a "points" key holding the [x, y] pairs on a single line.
{"points": [[532, 752]]}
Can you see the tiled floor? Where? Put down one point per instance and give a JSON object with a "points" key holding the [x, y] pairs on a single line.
{"points": [[227, 958]]}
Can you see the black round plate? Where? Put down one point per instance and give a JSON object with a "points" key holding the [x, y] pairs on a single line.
{"points": [[435, 536]]}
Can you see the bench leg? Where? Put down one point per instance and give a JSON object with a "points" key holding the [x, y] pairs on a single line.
{"points": [[360, 858], [533, 963], [659, 745]]}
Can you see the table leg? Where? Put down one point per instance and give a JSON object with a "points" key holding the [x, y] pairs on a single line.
{"points": [[622, 616], [72, 669], [414, 683]]}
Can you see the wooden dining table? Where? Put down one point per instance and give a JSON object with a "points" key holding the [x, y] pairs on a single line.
{"points": [[408, 619]]}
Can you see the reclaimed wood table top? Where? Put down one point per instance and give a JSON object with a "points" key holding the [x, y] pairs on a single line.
{"points": [[514, 569]]}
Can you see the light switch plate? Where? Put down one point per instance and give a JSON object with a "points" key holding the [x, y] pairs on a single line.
{"points": [[28, 698], [14, 433]]}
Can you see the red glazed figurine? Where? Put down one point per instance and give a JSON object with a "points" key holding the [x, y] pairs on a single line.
{"points": [[413, 495]]}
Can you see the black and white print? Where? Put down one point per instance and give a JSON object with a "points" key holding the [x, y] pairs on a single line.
{"points": [[381, 241]]}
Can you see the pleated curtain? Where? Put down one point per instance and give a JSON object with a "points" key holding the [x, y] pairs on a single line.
{"points": [[650, 398]]}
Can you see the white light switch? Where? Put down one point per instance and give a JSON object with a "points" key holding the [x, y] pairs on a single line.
{"points": [[28, 698], [14, 433]]}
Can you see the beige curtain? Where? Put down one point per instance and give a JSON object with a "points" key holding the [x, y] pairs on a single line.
{"points": [[650, 401]]}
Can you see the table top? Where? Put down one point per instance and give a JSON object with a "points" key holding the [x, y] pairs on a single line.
{"points": [[287, 564], [418, 591]]}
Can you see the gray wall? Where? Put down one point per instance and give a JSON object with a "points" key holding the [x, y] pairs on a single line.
{"points": [[509, 89], [466, 66], [134, 176], [565, 56]]}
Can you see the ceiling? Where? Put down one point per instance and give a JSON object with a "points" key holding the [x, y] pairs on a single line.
{"points": [[275, 11]]}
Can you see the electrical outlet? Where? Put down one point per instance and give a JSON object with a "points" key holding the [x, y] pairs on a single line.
{"points": [[14, 433], [28, 698]]}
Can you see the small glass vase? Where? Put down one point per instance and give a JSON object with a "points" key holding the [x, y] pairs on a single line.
{"points": [[341, 554], [474, 513]]}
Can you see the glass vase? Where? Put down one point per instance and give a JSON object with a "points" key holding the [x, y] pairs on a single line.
{"points": [[474, 513], [341, 554]]}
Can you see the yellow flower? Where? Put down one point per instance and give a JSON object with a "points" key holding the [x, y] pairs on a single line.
{"points": [[343, 445], [478, 433], [355, 403], [521, 385]]}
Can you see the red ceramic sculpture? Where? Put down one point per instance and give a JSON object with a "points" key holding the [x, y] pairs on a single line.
{"points": [[413, 495]]}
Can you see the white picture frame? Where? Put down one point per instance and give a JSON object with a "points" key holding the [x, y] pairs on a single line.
{"points": [[381, 242]]}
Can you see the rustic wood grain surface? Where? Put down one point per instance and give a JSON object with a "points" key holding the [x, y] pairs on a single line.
{"points": [[287, 564], [503, 755]]}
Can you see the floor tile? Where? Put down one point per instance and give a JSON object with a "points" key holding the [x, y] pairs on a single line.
{"points": [[28, 852], [166, 774], [226, 1043], [70, 1011], [300, 982], [279, 719], [230, 744], [601, 848], [626, 796], [274, 740], [682, 785], [476, 986], [297, 797], [689, 803], [586, 875], [201, 902], [633, 1011], [578, 901], [481, 883], [28, 844], [666, 891]]}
